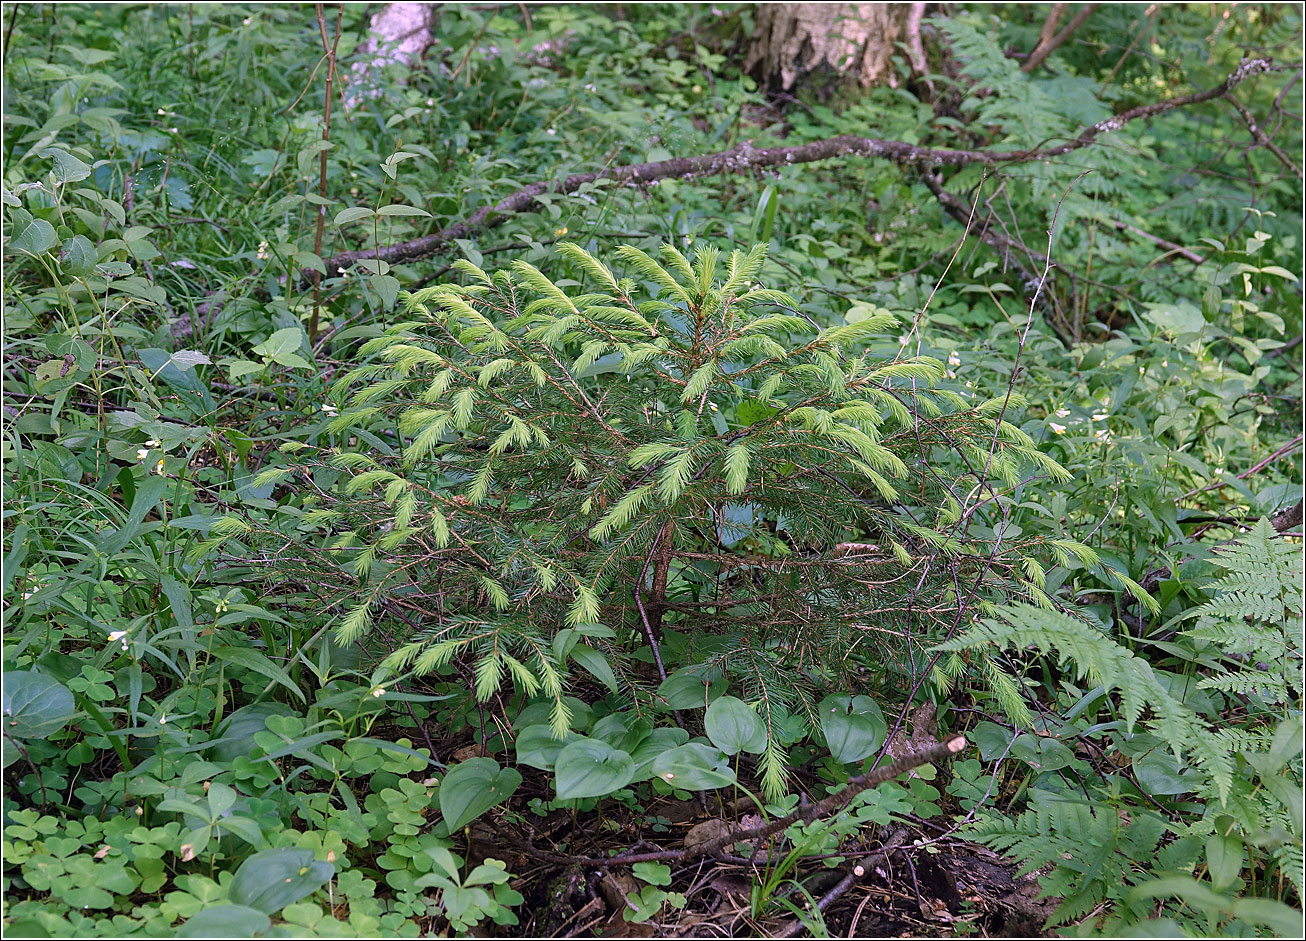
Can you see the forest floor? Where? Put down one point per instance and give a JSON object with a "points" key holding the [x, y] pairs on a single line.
{"points": [[929, 883], [948, 888]]}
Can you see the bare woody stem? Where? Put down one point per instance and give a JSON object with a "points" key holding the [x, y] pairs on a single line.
{"points": [[329, 50], [1046, 46]]}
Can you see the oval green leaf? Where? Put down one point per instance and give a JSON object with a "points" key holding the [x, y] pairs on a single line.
{"points": [[271, 880], [226, 921], [35, 706], [537, 748], [694, 767], [590, 768], [473, 787], [660, 740], [687, 689], [853, 727], [734, 726]]}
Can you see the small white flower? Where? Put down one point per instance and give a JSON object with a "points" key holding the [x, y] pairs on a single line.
{"points": [[1218, 471], [969, 384], [904, 339], [28, 594], [161, 111], [1100, 416], [1102, 434], [342, 271], [1142, 370], [550, 131], [950, 374], [158, 468], [1059, 429], [142, 454], [1165, 364], [163, 718], [430, 102], [954, 359], [330, 410], [379, 691], [712, 406], [1062, 412], [220, 606], [246, 21], [172, 130], [151, 443], [263, 250]]}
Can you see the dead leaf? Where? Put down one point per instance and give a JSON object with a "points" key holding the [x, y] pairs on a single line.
{"points": [[706, 832]]}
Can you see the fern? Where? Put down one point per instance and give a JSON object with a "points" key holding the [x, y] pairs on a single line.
{"points": [[1100, 852]]}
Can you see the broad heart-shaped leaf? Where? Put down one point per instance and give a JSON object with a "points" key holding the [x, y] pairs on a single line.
{"points": [[590, 768], [226, 921], [1158, 771], [1042, 754], [271, 880], [733, 726], [853, 727], [688, 689], [35, 706], [471, 788], [237, 732], [537, 748], [77, 257], [660, 740], [694, 767], [35, 238], [67, 168]]}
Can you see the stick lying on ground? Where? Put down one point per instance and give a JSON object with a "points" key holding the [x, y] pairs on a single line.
{"points": [[831, 805], [745, 157], [741, 159]]}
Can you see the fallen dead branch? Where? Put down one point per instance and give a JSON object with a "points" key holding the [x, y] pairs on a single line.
{"points": [[746, 158]]}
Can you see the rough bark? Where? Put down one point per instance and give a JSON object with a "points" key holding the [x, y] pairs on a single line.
{"points": [[841, 41]]}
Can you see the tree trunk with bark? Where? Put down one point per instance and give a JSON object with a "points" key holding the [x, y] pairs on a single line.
{"points": [[831, 43], [398, 32]]}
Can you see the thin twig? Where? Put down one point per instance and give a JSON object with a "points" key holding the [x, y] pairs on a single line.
{"points": [[328, 47], [1043, 50]]}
